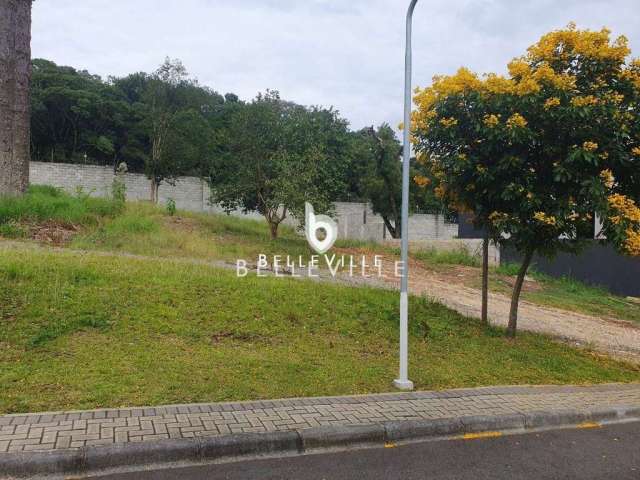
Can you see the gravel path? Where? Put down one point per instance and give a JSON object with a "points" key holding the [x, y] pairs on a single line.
{"points": [[618, 338]]}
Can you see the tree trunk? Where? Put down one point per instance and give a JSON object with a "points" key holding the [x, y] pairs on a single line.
{"points": [[15, 78], [155, 186], [273, 227], [485, 279], [515, 296]]}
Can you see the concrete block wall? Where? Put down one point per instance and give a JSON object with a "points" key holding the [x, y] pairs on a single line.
{"points": [[355, 220], [91, 178]]}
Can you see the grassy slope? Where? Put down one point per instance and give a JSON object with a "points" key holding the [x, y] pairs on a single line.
{"points": [[44, 203], [82, 331], [147, 230]]}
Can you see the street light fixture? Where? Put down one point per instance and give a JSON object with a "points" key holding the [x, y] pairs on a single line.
{"points": [[403, 382]]}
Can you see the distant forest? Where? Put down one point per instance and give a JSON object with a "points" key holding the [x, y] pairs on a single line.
{"points": [[165, 124]]}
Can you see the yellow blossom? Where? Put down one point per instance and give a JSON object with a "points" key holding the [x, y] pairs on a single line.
{"points": [[590, 146], [585, 101], [421, 181], [632, 242], [516, 120], [626, 213], [552, 102], [491, 120], [636, 151], [614, 97], [607, 178], [496, 217], [527, 86], [625, 207], [519, 68], [544, 73], [448, 122], [544, 218], [568, 43], [440, 192], [497, 84]]}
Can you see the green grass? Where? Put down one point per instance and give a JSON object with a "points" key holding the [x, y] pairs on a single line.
{"points": [[447, 257], [42, 203], [144, 229], [85, 331], [568, 294]]}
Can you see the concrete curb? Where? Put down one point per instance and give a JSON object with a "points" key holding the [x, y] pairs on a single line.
{"points": [[227, 447]]}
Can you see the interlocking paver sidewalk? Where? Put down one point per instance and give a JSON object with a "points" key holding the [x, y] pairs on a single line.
{"points": [[76, 429]]}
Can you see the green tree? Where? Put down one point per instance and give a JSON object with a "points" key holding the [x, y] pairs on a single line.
{"points": [[161, 100], [537, 154], [280, 155], [374, 175], [76, 117], [381, 180], [179, 118]]}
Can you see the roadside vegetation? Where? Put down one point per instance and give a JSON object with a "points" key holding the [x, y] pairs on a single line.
{"points": [[140, 228], [567, 294], [44, 204], [85, 330]]}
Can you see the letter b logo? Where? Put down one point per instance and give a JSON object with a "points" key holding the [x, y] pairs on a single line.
{"points": [[313, 223]]}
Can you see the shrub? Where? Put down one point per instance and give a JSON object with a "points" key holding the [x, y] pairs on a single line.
{"points": [[171, 206], [43, 203]]}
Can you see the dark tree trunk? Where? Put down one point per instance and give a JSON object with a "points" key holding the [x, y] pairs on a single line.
{"points": [[15, 78], [515, 296], [155, 186], [485, 279], [273, 227]]}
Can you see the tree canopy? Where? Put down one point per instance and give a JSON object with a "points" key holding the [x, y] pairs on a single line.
{"points": [[536, 154], [280, 156]]}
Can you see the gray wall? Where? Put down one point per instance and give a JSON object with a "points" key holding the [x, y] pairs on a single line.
{"points": [[355, 220], [597, 264]]}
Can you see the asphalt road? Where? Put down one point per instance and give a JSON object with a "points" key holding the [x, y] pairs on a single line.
{"points": [[611, 452]]}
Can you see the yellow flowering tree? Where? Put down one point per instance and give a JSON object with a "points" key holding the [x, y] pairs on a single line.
{"points": [[535, 154]]}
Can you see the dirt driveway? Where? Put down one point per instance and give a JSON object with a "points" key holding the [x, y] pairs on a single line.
{"points": [[618, 338]]}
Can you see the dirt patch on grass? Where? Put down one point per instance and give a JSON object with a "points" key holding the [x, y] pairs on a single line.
{"points": [[184, 224], [52, 232]]}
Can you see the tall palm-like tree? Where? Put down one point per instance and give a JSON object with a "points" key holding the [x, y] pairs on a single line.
{"points": [[15, 77]]}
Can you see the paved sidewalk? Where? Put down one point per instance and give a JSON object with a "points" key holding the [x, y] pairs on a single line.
{"points": [[76, 429]]}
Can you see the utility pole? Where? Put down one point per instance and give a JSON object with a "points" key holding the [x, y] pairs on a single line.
{"points": [[403, 382]]}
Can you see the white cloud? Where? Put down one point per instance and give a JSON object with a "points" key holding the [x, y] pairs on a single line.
{"points": [[345, 53]]}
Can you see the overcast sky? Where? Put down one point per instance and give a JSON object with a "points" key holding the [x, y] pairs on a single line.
{"points": [[342, 53]]}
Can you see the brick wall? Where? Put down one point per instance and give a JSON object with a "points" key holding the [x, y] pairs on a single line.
{"points": [[355, 220]]}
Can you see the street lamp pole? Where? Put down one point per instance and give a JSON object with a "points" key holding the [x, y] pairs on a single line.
{"points": [[403, 382]]}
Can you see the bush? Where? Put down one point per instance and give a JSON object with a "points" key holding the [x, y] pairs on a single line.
{"points": [[43, 203], [12, 230], [171, 206], [448, 257]]}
